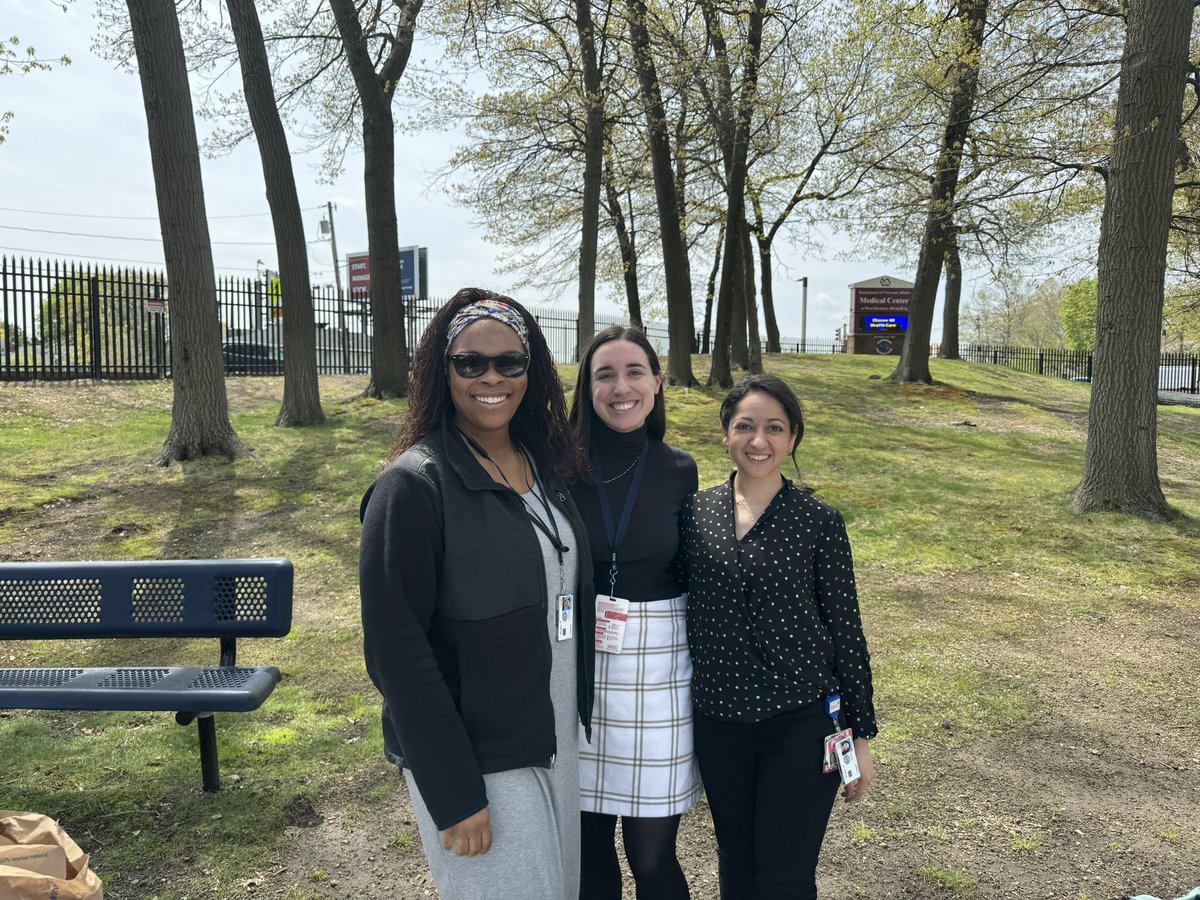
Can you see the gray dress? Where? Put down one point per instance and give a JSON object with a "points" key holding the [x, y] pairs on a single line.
{"points": [[534, 811]]}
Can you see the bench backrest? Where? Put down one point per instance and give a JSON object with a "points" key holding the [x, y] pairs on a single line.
{"points": [[167, 598]]}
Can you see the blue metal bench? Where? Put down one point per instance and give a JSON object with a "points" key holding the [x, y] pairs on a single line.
{"points": [[225, 599]]}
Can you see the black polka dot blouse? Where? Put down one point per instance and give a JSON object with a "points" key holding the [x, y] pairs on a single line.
{"points": [[773, 621]]}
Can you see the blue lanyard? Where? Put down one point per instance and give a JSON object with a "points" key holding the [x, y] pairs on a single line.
{"points": [[616, 535]]}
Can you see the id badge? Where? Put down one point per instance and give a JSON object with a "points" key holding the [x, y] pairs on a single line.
{"points": [[612, 614], [832, 745], [565, 616], [847, 760]]}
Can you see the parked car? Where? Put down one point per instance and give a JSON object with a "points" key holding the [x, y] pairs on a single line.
{"points": [[244, 358]]}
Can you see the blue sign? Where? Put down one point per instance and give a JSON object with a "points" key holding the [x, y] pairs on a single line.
{"points": [[410, 271], [885, 323]]}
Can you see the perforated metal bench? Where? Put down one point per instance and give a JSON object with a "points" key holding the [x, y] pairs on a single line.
{"points": [[225, 599]]}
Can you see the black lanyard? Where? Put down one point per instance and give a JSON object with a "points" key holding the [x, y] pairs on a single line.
{"points": [[550, 531], [616, 535], [553, 536]]}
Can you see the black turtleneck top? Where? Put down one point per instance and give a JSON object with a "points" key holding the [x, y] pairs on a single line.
{"points": [[647, 568]]}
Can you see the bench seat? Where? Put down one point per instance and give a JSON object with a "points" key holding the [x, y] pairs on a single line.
{"points": [[193, 689], [225, 599]]}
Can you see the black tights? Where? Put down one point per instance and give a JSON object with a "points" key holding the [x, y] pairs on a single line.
{"points": [[650, 849]]}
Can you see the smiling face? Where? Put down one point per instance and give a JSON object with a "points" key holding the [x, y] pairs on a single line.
{"points": [[759, 437], [623, 385], [486, 404]]}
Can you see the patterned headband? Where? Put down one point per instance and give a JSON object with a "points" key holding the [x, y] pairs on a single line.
{"points": [[487, 309]]}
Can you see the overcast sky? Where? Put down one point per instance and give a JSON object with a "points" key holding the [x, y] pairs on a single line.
{"points": [[76, 184]]}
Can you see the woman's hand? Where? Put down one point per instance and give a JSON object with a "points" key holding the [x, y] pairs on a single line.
{"points": [[856, 790], [470, 837]]}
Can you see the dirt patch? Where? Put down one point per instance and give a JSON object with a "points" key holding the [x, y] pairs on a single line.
{"points": [[1094, 798], [301, 813]]}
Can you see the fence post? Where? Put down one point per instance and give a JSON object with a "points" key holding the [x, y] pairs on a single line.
{"points": [[1195, 373], [1089, 371], [1041, 362], [94, 323], [344, 337]]}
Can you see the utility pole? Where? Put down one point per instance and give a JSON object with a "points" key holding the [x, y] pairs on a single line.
{"points": [[337, 278], [804, 315]]}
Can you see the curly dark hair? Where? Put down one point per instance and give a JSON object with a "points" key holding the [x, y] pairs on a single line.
{"points": [[540, 423], [580, 417], [772, 386]]}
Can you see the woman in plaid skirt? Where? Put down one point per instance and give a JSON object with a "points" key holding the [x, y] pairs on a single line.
{"points": [[639, 765]]}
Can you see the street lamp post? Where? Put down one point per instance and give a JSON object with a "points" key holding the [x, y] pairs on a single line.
{"points": [[327, 226], [804, 315]]}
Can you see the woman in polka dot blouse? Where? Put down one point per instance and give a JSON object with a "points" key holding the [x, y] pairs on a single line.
{"points": [[774, 632]]}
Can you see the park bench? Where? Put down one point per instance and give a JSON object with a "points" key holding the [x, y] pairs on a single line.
{"points": [[225, 599]]}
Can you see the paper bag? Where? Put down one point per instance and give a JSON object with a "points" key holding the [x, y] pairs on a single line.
{"points": [[44, 859], [31, 838]]}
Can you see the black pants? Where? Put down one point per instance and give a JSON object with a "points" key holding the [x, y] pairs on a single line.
{"points": [[649, 847], [769, 799]]}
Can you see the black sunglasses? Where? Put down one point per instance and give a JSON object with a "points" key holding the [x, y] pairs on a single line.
{"points": [[472, 365]]}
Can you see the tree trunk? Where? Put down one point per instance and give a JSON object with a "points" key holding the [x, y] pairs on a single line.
{"points": [[627, 240], [683, 131], [1121, 467], [593, 152], [389, 357], [763, 242], [733, 263], [389, 342], [301, 388], [739, 351], [200, 410], [711, 290], [754, 361], [914, 358], [722, 115], [721, 371], [949, 346], [680, 323]]}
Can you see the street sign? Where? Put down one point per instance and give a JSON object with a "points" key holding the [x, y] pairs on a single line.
{"points": [[412, 276]]}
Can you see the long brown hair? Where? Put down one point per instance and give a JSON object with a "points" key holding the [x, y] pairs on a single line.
{"points": [[540, 423]]}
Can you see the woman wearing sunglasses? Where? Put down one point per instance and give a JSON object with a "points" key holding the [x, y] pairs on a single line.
{"points": [[782, 674], [477, 606], [639, 765]]}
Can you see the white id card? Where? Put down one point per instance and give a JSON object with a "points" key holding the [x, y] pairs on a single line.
{"points": [[847, 760], [833, 745], [612, 613], [565, 616]]}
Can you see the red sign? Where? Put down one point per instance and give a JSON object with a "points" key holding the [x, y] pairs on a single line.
{"points": [[882, 301], [359, 266]]}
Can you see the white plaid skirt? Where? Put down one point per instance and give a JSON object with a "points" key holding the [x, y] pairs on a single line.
{"points": [[640, 761]]}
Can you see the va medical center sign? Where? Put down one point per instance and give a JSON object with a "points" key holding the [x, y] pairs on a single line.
{"points": [[413, 277], [879, 315]]}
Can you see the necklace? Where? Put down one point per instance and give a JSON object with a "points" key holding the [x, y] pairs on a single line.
{"points": [[754, 516], [623, 474]]}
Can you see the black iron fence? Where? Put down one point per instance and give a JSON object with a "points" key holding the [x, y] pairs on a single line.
{"points": [[63, 320], [1178, 372]]}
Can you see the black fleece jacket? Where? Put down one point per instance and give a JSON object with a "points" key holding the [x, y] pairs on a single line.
{"points": [[455, 622]]}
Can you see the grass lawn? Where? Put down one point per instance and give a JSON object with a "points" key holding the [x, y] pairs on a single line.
{"points": [[1036, 672]]}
